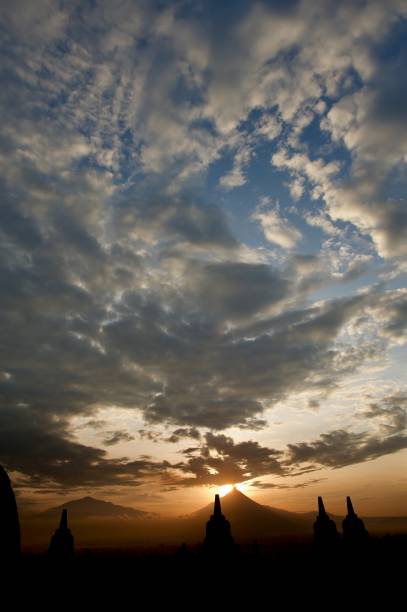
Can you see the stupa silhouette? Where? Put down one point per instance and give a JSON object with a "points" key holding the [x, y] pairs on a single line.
{"points": [[218, 538], [325, 533], [354, 531], [10, 544], [61, 545]]}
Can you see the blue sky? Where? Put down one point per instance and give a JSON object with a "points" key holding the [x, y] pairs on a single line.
{"points": [[203, 235]]}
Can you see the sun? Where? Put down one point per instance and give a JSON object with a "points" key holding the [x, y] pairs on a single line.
{"points": [[225, 489]]}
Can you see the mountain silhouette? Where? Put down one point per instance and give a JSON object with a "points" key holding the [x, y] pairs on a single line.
{"points": [[99, 523], [89, 507], [250, 519]]}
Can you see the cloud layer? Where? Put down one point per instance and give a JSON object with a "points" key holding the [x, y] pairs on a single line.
{"points": [[131, 273]]}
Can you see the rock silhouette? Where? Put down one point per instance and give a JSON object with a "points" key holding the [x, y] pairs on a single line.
{"points": [[10, 546], [325, 533], [354, 531], [62, 543], [218, 538]]}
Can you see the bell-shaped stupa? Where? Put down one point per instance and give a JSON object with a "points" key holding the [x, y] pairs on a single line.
{"points": [[353, 528], [61, 545], [325, 532], [218, 533]]}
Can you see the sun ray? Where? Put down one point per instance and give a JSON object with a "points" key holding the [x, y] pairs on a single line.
{"points": [[225, 489]]}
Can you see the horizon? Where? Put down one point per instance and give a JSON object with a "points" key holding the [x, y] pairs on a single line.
{"points": [[224, 491], [203, 252], [97, 524]]}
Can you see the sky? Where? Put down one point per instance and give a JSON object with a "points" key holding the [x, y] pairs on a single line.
{"points": [[203, 241]]}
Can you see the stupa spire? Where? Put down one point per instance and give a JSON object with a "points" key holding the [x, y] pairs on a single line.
{"points": [[349, 506], [217, 510], [63, 523], [321, 507]]}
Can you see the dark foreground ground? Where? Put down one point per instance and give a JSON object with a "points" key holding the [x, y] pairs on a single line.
{"points": [[257, 575]]}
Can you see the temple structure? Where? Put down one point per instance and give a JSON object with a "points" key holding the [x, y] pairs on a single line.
{"points": [[218, 533], [353, 528], [62, 542], [325, 532], [10, 545]]}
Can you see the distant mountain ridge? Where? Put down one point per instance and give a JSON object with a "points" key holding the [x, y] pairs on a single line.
{"points": [[90, 507], [97, 522]]}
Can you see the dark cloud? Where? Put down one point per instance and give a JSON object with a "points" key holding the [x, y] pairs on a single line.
{"points": [[177, 220], [153, 436], [253, 424], [70, 346], [234, 290], [38, 446], [313, 404], [389, 104], [216, 380], [217, 459], [258, 484], [340, 448], [220, 460], [114, 437], [184, 432], [95, 423], [212, 412], [390, 413], [396, 313]]}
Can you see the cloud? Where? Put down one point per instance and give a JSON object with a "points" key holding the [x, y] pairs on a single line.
{"points": [[236, 176], [276, 228], [390, 414], [177, 219], [233, 290], [371, 123], [258, 484], [228, 377], [62, 461], [340, 448], [394, 316], [40, 25], [125, 279], [114, 437], [220, 460], [184, 432]]}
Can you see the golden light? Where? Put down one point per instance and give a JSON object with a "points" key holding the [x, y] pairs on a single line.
{"points": [[225, 489]]}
